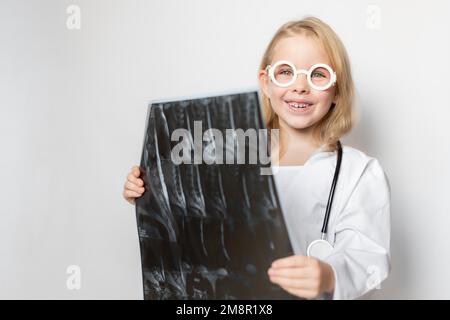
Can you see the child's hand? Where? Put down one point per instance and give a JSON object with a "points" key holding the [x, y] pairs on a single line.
{"points": [[305, 277], [134, 186]]}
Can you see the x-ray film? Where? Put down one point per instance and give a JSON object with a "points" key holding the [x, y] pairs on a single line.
{"points": [[209, 222]]}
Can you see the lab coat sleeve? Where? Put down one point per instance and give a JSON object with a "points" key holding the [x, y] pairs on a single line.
{"points": [[361, 258]]}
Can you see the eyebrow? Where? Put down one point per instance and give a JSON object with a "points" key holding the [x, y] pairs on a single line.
{"points": [[309, 66]]}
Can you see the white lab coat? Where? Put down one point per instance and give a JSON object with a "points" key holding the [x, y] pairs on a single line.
{"points": [[359, 225]]}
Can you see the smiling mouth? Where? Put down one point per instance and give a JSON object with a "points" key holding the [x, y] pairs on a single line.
{"points": [[299, 105]]}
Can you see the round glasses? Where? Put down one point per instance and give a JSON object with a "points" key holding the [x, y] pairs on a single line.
{"points": [[320, 76]]}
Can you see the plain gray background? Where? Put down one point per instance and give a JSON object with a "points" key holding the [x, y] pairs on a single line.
{"points": [[72, 117]]}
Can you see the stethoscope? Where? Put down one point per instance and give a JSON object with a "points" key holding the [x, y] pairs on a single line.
{"points": [[321, 248]]}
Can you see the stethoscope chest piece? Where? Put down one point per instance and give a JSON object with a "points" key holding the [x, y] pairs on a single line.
{"points": [[319, 249]]}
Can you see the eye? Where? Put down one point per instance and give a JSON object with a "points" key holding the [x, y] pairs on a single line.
{"points": [[318, 74], [286, 72]]}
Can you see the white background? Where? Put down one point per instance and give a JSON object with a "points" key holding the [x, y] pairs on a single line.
{"points": [[73, 107]]}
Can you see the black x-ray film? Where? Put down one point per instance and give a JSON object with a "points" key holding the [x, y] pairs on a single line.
{"points": [[208, 230]]}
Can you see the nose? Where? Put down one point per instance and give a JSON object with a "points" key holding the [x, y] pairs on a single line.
{"points": [[301, 84]]}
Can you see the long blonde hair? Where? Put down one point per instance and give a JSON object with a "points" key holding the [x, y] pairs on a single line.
{"points": [[341, 116]]}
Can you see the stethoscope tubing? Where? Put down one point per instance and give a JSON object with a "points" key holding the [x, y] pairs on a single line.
{"points": [[332, 191]]}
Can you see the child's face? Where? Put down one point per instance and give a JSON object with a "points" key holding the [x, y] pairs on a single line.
{"points": [[303, 52]]}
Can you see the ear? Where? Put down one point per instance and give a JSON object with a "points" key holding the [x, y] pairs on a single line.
{"points": [[335, 99], [263, 80]]}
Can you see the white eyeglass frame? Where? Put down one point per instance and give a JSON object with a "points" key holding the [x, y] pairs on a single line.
{"points": [[270, 69]]}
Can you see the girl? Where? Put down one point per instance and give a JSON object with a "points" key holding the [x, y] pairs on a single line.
{"points": [[308, 95]]}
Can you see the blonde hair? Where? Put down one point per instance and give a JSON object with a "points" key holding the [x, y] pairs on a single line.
{"points": [[340, 118]]}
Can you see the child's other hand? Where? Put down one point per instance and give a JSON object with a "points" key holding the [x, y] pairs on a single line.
{"points": [[134, 186], [304, 277]]}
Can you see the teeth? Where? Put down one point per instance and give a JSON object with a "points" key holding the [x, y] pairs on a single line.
{"points": [[299, 105]]}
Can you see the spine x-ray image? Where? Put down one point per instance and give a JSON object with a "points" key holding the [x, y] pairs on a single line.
{"points": [[208, 229]]}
